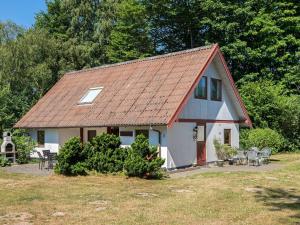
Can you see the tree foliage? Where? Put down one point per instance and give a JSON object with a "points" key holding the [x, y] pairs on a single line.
{"points": [[143, 160], [261, 138], [260, 41], [71, 158]]}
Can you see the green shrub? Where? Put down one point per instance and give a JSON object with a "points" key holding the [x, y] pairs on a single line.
{"points": [[105, 155], [4, 162], [262, 137], [143, 160], [24, 146], [224, 151], [71, 158]]}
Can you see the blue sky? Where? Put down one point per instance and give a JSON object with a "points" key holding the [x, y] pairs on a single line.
{"points": [[22, 12]]}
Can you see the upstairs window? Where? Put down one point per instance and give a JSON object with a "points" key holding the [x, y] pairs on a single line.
{"points": [[201, 89], [216, 89], [90, 95]]}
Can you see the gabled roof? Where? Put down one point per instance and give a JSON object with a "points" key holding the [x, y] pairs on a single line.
{"points": [[140, 92]]}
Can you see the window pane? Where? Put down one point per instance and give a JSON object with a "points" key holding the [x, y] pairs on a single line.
{"points": [[113, 130], [90, 95], [201, 133], [201, 89], [41, 138], [227, 136], [143, 132], [126, 133], [91, 134], [216, 89]]}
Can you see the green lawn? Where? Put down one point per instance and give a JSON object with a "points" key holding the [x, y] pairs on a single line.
{"points": [[210, 198]]}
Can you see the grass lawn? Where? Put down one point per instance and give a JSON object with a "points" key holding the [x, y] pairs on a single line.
{"points": [[209, 198]]}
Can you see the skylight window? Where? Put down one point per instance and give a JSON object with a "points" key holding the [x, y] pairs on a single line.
{"points": [[90, 95]]}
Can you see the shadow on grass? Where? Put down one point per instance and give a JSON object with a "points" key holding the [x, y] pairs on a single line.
{"points": [[275, 160], [279, 199]]}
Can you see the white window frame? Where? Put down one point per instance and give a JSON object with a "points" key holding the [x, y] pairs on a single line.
{"points": [[84, 101]]}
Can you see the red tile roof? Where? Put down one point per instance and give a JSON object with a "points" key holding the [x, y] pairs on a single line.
{"points": [[139, 92]]}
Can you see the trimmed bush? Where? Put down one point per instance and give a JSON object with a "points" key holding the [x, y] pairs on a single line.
{"points": [[143, 160], [24, 146], [262, 137], [71, 158], [105, 155], [4, 162]]}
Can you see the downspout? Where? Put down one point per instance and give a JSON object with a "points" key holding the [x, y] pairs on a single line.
{"points": [[81, 134], [159, 139]]}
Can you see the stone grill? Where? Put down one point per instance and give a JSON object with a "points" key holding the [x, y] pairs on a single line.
{"points": [[8, 147]]}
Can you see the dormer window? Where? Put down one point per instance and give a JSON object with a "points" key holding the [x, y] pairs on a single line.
{"points": [[201, 89], [90, 95], [216, 89]]}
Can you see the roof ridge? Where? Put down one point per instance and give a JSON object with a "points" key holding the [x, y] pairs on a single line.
{"points": [[141, 60]]}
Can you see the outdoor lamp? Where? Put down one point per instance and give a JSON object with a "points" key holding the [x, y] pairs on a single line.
{"points": [[195, 133]]}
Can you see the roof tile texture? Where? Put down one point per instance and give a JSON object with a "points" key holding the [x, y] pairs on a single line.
{"points": [[140, 92]]}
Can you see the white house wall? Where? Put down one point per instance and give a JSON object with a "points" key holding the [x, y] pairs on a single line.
{"points": [[216, 131], [51, 140], [153, 138], [99, 131], [181, 146], [66, 133], [208, 109]]}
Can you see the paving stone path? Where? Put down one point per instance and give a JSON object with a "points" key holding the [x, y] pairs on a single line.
{"points": [[227, 169], [31, 169]]}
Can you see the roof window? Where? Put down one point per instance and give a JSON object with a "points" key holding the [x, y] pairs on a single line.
{"points": [[90, 95]]}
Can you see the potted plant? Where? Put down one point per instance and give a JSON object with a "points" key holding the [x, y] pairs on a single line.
{"points": [[219, 152], [224, 153]]}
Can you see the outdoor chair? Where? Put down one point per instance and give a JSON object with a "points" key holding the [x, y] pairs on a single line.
{"points": [[51, 159], [265, 154], [254, 149], [254, 157], [41, 160], [46, 153], [240, 158]]}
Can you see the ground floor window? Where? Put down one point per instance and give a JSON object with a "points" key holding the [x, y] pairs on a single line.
{"points": [[126, 133], [91, 134], [227, 136], [144, 132], [113, 130], [41, 138]]}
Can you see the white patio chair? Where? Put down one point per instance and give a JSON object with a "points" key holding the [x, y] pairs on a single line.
{"points": [[265, 154], [240, 157], [254, 157]]}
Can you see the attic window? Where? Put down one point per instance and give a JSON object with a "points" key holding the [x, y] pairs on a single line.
{"points": [[90, 95]]}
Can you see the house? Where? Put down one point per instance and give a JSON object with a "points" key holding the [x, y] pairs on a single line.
{"points": [[181, 101]]}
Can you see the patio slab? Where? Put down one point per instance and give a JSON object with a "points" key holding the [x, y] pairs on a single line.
{"points": [[31, 169], [206, 169]]}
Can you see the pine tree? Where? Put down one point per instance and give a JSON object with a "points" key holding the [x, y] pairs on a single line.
{"points": [[129, 38]]}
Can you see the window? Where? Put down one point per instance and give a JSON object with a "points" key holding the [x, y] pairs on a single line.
{"points": [[216, 89], [90, 95], [41, 138], [143, 132], [91, 134], [126, 133], [113, 130], [227, 136], [201, 89]]}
